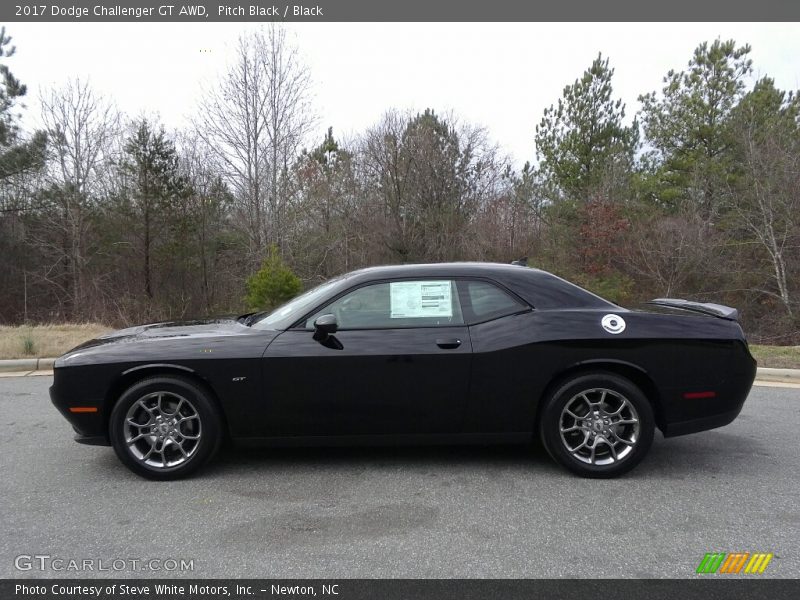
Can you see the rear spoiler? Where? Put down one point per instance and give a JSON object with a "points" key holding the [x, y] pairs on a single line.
{"points": [[706, 308]]}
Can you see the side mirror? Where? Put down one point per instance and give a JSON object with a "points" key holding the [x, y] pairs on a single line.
{"points": [[325, 326]]}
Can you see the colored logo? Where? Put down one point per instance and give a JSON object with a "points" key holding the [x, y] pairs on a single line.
{"points": [[734, 563]]}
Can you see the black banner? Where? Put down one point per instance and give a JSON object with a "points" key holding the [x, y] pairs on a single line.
{"points": [[405, 10], [706, 588]]}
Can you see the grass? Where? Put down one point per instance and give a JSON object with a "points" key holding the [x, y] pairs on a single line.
{"points": [[45, 341], [28, 344], [781, 357]]}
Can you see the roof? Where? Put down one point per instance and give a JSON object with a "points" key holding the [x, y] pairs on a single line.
{"points": [[454, 268]]}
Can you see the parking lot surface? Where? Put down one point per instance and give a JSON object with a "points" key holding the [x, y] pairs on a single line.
{"points": [[402, 512]]}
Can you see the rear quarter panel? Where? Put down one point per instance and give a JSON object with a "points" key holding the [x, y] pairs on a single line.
{"points": [[518, 358]]}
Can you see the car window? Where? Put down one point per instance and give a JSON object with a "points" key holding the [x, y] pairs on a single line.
{"points": [[396, 304], [484, 301]]}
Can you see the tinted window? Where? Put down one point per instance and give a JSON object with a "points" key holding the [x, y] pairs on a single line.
{"points": [[485, 301], [396, 304]]}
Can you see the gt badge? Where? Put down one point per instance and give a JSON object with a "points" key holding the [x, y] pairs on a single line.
{"points": [[613, 324]]}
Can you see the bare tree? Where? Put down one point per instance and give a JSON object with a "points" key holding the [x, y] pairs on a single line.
{"points": [[326, 223], [510, 225], [765, 199], [769, 207], [289, 118], [208, 201], [81, 128], [428, 177], [670, 252], [255, 121]]}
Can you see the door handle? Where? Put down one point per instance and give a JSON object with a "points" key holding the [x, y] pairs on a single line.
{"points": [[448, 344]]}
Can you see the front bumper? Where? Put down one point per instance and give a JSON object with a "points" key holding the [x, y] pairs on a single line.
{"points": [[90, 427], [92, 440]]}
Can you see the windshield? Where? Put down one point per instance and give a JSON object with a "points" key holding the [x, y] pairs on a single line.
{"points": [[283, 316]]}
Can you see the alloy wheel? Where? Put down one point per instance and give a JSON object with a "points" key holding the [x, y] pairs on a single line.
{"points": [[162, 430], [599, 426]]}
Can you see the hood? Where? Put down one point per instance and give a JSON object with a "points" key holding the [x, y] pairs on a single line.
{"points": [[196, 328], [179, 342]]}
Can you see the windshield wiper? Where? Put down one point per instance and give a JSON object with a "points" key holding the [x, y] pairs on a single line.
{"points": [[245, 318], [251, 318]]}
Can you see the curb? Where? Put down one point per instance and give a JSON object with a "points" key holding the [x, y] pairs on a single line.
{"points": [[24, 366], [782, 375], [45, 364], [20, 365]]}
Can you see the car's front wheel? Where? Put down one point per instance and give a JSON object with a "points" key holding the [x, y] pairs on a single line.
{"points": [[597, 425], [165, 427]]}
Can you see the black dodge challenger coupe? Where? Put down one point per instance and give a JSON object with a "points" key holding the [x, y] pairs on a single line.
{"points": [[461, 352]]}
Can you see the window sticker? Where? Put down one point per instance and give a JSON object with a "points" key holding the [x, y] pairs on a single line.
{"points": [[418, 299]]}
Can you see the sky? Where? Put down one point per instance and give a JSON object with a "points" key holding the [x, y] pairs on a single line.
{"points": [[497, 75]]}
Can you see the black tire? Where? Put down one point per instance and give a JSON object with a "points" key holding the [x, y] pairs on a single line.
{"points": [[590, 387], [206, 426]]}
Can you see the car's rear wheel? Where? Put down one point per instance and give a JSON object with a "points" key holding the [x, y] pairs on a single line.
{"points": [[597, 425], [165, 427]]}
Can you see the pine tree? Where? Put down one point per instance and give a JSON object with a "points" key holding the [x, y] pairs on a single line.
{"points": [[582, 142], [688, 125], [153, 188], [16, 156], [273, 284]]}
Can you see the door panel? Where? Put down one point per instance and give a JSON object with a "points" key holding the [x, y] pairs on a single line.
{"points": [[507, 376], [382, 381]]}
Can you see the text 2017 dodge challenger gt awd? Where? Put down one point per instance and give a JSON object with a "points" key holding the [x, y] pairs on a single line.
{"points": [[460, 352]]}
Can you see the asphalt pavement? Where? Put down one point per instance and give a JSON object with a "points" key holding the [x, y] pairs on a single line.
{"points": [[441, 512]]}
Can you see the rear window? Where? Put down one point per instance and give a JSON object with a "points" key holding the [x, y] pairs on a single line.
{"points": [[484, 301]]}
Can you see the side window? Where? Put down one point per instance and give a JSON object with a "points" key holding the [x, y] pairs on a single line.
{"points": [[484, 301], [396, 304]]}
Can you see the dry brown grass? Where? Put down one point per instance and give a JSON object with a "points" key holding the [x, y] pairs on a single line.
{"points": [[45, 341], [781, 357]]}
